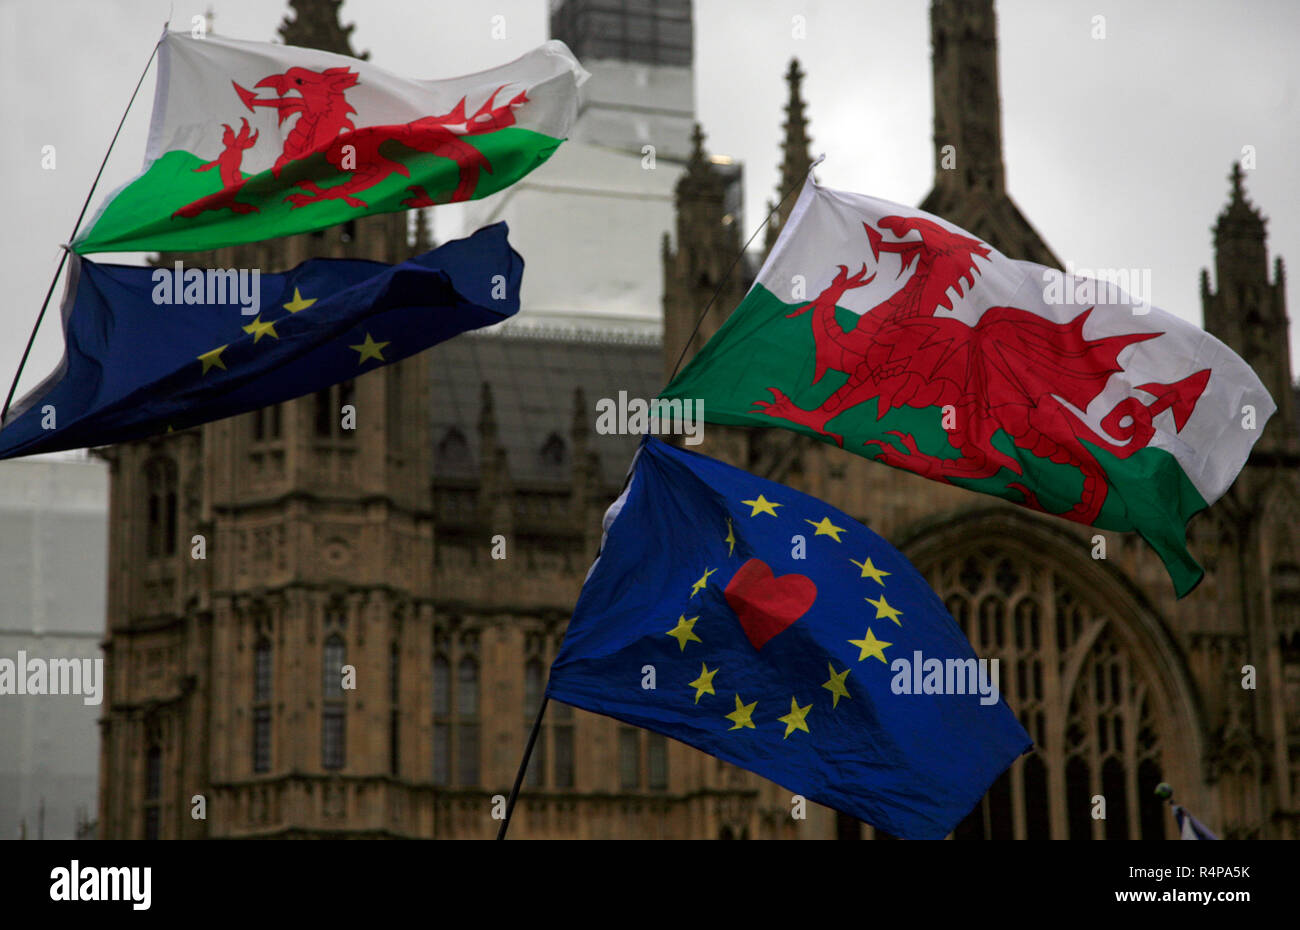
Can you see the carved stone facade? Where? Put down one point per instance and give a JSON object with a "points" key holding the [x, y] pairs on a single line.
{"points": [[373, 549]]}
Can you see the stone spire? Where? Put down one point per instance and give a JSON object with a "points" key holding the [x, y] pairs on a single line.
{"points": [[707, 244], [701, 197], [1248, 311], [967, 104], [316, 25], [969, 182], [796, 159], [1239, 236], [700, 179]]}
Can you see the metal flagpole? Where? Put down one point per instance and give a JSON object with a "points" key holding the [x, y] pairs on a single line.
{"points": [[63, 259], [523, 767]]}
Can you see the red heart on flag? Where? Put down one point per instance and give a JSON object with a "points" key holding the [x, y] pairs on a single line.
{"points": [[766, 605]]}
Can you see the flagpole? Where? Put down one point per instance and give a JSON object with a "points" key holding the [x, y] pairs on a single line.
{"points": [[63, 259], [523, 767]]}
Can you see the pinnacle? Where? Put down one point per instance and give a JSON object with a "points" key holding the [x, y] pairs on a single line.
{"points": [[699, 173], [316, 25], [1240, 218], [793, 75], [796, 160], [697, 143]]}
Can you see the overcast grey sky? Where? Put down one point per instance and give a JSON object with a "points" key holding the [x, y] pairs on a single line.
{"points": [[1117, 150]]}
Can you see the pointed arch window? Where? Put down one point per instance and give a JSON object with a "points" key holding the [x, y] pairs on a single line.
{"points": [[453, 452], [456, 703], [333, 710], [329, 403], [262, 684], [629, 758], [656, 751], [441, 720], [467, 726], [562, 733], [553, 452], [160, 477], [534, 686], [266, 423], [1100, 738]]}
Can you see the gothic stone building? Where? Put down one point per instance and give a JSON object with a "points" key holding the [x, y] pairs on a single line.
{"points": [[373, 548]]}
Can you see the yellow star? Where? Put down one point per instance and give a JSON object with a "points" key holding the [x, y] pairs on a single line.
{"points": [[827, 528], [298, 303], [796, 719], [836, 685], [704, 684], [684, 632], [731, 537], [370, 349], [258, 329], [871, 646], [699, 585], [213, 359], [870, 571], [762, 505], [743, 715], [884, 610]]}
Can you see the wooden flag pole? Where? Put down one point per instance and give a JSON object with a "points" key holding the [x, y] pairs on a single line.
{"points": [[523, 767], [63, 259]]}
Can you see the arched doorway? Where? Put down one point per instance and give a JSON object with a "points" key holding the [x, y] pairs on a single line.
{"points": [[1085, 664]]}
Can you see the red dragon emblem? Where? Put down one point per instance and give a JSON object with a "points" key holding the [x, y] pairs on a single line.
{"points": [[324, 127], [1012, 371]]}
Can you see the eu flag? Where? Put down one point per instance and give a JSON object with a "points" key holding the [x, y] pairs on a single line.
{"points": [[148, 350], [786, 638]]}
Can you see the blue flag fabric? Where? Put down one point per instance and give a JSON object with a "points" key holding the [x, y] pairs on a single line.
{"points": [[1189, 828], [785, 638], [145, 353]]}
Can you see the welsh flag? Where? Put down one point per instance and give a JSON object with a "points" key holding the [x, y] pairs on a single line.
{"points": [[251, 140], [902, 338]]}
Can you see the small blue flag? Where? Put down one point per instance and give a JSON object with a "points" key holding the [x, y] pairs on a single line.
{"points": [[1189, 828], [769, 629], [153, 349]]}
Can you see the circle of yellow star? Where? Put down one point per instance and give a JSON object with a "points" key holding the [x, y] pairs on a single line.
{"points": [[870, 571], [871, 646], [796, 719], [699, 585], [704, 684], [370, 349], [213, 359], [298, 303], [762, 505], [684, 631], [836, 685], [883, 609], [731, 538], [743, 715], [827, 528], [257, 329]]}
